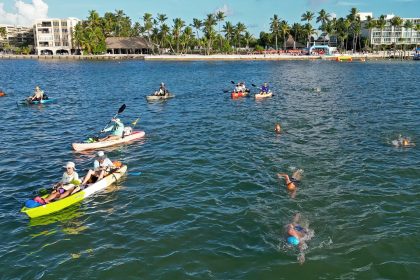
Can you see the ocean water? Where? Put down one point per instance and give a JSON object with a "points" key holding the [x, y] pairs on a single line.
{"points": [[208, 204]]}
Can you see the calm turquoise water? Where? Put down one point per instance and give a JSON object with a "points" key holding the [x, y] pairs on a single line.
{"points": [[208, 204]]}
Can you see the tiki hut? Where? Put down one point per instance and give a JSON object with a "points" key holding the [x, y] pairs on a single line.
{"points": [[128, 45], [292, 44]]}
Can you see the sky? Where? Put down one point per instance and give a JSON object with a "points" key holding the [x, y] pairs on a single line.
{"points": [[255, 14]]}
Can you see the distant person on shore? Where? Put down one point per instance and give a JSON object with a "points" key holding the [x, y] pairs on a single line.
{"points": [[116, 128], [102, 166], [63, 188], [162, 91], [265, 88], [297, 235], [277, 128], [292, 182], [404, 142], [38, 95]]}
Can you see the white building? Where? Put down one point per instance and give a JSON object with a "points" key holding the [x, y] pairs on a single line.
{"points": [[392, 35], [17, 36], [54, 36]]}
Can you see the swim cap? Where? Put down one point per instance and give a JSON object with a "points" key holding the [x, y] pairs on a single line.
{"points": [[292, 240]]}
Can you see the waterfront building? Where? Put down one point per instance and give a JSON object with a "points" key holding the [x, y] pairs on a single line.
{"points": [[128, 45], [54, 36], [16, 36], [391, 35]]}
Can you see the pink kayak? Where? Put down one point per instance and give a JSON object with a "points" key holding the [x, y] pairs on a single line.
{"points": [[96, 145]]}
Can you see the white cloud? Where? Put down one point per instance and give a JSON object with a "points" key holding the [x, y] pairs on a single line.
{"points": [[225, 9], [26, 13]]}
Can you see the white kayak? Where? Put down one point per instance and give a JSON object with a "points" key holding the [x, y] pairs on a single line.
{"points": [[263, 95], [97, 145], [159, 97]]}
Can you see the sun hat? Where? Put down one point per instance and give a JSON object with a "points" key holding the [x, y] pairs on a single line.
{"points": [[70, 164], [100, 154]]}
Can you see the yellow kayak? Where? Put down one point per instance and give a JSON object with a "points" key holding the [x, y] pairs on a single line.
{"points": [[263, 95], [77, 197]]}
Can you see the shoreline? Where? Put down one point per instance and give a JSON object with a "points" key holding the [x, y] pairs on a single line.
{"points": [[191, 57]]}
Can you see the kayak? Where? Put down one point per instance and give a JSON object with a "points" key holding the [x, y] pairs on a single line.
{"points": [[77, 197], [96, 145], [43, 101], [2, 94], [239, 94], [263, 95], [159, 97]]}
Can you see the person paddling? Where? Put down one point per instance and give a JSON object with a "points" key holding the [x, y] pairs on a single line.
{"points": [[265, 88], [292, 182], [162, 90], [63, 188], [116, 127], [102, 166], [38, 95]]}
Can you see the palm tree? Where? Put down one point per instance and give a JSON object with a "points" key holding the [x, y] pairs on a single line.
{"points": [[307, 16], [94, 19], [417, 28], [228, 29], [148, 26], [369, 25], [176, 30], [220, 16], [248, 37], [239, 29], [186, 37], [275, 27], [323, 17], [161, 18], [396, 23], [297, 29], [408, 25], [285, 30], [309, 31], [381, 24], [208, 28], [197, 24]]}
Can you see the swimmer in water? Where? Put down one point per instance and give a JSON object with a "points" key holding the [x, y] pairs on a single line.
{"points": [[404, 142], [277, 128], [316, 89], [296, 235], [292, 182]]}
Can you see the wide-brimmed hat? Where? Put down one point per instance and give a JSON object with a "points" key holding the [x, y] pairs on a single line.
{"points": [[70, 164], [100, 154]]}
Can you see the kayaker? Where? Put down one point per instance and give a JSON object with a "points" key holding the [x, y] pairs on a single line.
{"points": [[38, 95], [265, 88], [238, 88], [2, 93], [63, 188], [162, 90], [102, 166], [292, 182], [117, 129]]}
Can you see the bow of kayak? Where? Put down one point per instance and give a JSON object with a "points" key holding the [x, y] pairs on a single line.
{"points": [[263, 95], [75, 198], [97, 145], [235, 95]]}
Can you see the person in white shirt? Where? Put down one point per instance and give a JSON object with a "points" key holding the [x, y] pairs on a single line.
{"points": [[65, 187], [101, 168]]}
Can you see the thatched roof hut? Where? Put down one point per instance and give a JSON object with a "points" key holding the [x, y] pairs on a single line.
{"points": [[128, 45], [292, 44]]}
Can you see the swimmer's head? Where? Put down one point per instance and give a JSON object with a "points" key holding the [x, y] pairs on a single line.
{"points": [[277, 128], [292, 240]]}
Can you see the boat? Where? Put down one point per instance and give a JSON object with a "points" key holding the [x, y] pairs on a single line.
{"points": [[96, 145], [239, 94], [43, 101], [344, 58], [2, 93], [263, 95], [61, 204], [159, 97]]}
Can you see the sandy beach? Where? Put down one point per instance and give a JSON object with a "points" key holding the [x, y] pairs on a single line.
{"points": [[195, 57]]}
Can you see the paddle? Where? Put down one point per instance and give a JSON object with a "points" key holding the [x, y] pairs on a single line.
{"points": [[120, 110]]}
